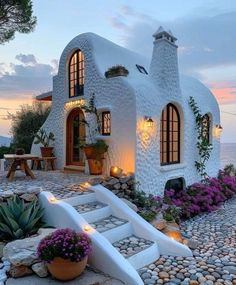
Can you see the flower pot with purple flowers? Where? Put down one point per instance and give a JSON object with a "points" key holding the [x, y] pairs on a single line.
{"points": [[65, 252]]}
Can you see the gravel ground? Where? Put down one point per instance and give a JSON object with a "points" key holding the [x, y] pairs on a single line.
{"points": [[214, 259]]}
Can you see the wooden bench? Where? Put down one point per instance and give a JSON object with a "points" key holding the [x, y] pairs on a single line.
{"points": [[48, 162]]}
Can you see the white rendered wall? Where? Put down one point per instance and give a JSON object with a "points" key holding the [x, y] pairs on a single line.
{"points": [[132, 146]]}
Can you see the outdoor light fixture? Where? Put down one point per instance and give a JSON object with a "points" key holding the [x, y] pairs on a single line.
{"points": [[217, 130], [87, 228], [52, 199], [115, 171], [148, 121]]}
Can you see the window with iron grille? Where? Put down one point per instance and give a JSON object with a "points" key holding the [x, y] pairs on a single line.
{"points": [[170, 135], [76, 74], [106, 123]]}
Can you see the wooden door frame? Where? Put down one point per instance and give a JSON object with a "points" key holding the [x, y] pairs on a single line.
{"points": [[69, 149]]}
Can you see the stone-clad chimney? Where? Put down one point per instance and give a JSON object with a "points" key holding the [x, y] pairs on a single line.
{"points": [[164, 64]]}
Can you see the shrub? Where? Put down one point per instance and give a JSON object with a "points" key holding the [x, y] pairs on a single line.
{"points": [[64, 243], [18, 219], [202, 197]]}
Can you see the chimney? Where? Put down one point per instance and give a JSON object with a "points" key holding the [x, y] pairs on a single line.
{"points": [[164, 63]]}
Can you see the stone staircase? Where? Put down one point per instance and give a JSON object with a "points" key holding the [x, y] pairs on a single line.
{"points": [[122, 241], [117, 230]]}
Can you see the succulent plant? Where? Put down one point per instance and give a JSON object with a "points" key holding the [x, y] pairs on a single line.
{"points": [[44, 138], [19, 219]]}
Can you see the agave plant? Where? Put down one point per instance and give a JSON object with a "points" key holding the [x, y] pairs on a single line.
{"points": [[44, 138], [19, 219]]}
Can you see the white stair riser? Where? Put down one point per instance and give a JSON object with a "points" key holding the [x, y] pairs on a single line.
{"points": [[144, 257], [118, 233], [98, 214], [81, 199]]}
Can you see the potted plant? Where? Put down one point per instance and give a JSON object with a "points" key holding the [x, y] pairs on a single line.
{"points": [[45, 139], [65, 252], [116, 70], [94, 148]]}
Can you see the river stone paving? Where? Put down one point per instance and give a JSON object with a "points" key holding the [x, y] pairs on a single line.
{"points": [[62, 185], [108, 223], [131, 245], [214, 259], [84, 208]]}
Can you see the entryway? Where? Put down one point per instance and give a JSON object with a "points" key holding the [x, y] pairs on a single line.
{"points": [[75, 136]]}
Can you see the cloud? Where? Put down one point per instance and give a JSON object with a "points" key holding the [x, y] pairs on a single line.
{"points": [[26, 79], [26, 58], [224, 91], [203, 41]]}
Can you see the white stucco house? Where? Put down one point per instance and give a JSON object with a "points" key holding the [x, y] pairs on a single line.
{"points": [[154, 90]]}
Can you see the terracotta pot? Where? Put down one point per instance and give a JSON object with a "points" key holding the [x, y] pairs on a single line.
{"points": [[95, 166], [64, 269], [46, 151], [89, 151]]}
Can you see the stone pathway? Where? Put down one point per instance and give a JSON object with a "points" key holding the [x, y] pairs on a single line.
{"points": [[62, 185], [214, 259]]}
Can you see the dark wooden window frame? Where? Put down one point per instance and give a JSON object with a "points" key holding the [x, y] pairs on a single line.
{"points": [[77, 75], [169, 151], [106, 132]]}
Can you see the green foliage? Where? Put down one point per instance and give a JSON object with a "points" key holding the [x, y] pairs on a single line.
{"points": [[147, 215], [5, 150], [116, 70], [44, 138], [18, 219], [171, 213], [203, 145], [26, 122], [94, 127], [15, 16], [230, 170]]}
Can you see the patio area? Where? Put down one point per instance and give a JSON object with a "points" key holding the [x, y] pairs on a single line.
{"points": [[61, 184]]}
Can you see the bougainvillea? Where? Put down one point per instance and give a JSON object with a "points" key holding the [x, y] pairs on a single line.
{"points": [[201, 197], [65, 243]]}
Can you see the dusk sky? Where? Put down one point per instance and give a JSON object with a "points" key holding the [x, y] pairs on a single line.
{"points": [[206, 32]]}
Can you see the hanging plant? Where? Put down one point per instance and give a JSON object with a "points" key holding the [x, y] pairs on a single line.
{"points": [[203, 144]]}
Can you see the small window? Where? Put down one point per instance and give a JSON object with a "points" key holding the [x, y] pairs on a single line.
{"points": [[206, 127], [106, 123], [141, 69]]}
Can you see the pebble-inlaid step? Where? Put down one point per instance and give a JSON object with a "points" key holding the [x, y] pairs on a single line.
{"points": [[108, 223], [69, 192], [132, 245], [84, 208]]}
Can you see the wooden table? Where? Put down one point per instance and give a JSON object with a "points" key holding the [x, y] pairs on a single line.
{"points": [[21, 161], [48, 162]]}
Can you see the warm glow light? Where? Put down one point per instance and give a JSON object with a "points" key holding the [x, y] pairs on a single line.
{"points": [[116, 171], [149, 121], [87, 184], [52, 199], [77, 102], [174, 235], [217, 129], [87, 228]]}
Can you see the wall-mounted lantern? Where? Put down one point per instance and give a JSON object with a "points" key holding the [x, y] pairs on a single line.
{"points": [[148, 121], [217, 130]]}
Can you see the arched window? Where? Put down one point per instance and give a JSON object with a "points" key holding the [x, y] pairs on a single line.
{"points": [[170, 135], [206, 127], [76, 74]]}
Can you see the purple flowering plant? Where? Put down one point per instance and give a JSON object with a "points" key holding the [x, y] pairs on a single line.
{"points": [[64, 243]]}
